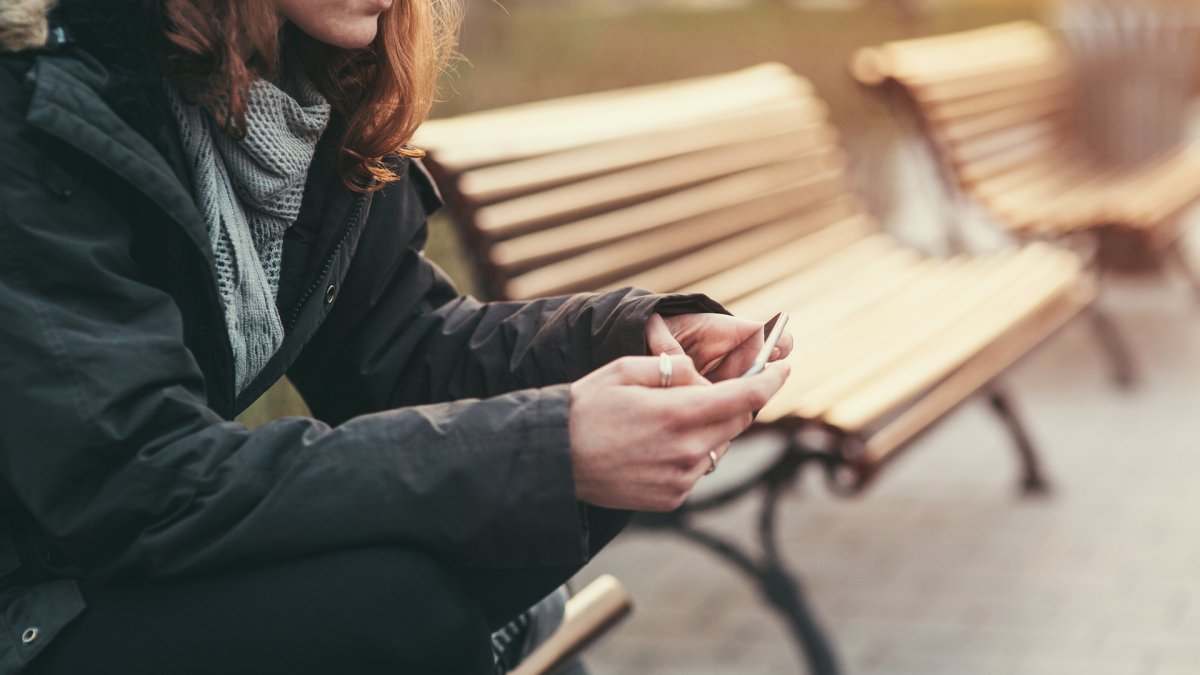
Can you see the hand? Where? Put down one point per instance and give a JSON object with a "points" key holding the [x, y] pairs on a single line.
{"points": [[721, 346], [637, 446]]}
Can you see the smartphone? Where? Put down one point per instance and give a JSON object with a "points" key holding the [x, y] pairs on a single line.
{"points": [[773, 329]]}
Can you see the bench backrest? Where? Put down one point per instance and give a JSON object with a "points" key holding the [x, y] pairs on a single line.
{"points": [[663, 186], [994, 100]]}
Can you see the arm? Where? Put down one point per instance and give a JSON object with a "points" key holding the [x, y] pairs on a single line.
{"points": [[401, 334], [107, 443]]}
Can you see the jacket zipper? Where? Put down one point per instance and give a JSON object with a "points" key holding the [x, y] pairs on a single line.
{"points": [[328, 262]]}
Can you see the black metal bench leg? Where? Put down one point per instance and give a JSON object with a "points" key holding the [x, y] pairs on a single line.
{"points": [[779, 587], [785, 592], [1113, 345], [1032, 480]]}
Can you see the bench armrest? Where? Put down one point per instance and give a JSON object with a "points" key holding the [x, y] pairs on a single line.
{"points": [[588, 615]]}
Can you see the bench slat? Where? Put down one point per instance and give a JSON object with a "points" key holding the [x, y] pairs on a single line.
{"points": [[1009, 159], [1067, 160], [860, 344], [941, 355], [519, 132], [1052, 85], [811, 235], [792, 284], [984, 83], [995, 48], [811, 177], [948, 292], [962, 129], [1032, 134], [747, 277], [978, 371], [588, 197], [599, 266], [493, 183], [859, 370]]}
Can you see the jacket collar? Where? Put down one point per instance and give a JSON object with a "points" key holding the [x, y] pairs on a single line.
{"points": [[65, 104]]}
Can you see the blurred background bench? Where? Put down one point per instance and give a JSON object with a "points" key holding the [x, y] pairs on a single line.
{"points": [[1059, 143]]}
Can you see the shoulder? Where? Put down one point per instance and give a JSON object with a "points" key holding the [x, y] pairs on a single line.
{"points": [[423, 184]]}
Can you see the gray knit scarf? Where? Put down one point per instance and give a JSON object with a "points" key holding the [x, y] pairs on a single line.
{"points": [[249, 193]]}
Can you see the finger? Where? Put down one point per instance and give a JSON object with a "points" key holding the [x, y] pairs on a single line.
{"points": [[705, 463], [644, 371], [738, 360], [659, 338], [734, 396], [783, 347], [707, 338]]}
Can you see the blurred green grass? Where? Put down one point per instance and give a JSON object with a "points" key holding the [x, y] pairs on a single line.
{"points": [[533, 51]]}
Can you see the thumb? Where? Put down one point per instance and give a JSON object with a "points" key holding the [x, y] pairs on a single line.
{"points": [[659, 337]]}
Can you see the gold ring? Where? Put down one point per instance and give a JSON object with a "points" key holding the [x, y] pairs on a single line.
{"points": [[664, 370], [713, 455]]}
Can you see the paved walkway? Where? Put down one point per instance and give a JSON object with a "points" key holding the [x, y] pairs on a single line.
{"points": [[942, 568]]}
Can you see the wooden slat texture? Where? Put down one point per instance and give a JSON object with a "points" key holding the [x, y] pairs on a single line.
{"points": [[534, 129], [1030, 134], [492, 183], [1006, 123], [797, 240], [588, 197], [1009, 159], [1040, 168], [861, 370], [947, 293], [940, 356], [1053, 85], [824, 279], [596, 267], [827, 254], [976, 85], [972, 54], [979, 370], [818, 174], [961, 129]]}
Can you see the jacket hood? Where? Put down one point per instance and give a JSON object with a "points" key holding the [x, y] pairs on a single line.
{"points": [[119, 34], [23, 24]]}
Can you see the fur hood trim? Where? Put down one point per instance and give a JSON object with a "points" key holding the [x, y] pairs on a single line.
{"points": [[23, 24]]}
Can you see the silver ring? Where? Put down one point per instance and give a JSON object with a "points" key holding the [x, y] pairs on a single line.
{"points": [[664, 370], [713, 455]]}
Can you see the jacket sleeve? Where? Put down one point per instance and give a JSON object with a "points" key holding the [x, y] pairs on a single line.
{"points": [[401, 334], [107, 442]]}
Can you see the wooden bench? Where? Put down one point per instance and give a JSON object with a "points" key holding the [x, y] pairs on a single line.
{"points": [[734, 185], [1000, 107], [589, 614]]}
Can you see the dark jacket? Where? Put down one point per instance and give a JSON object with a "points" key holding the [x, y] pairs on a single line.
{"points": [[441, 421]]}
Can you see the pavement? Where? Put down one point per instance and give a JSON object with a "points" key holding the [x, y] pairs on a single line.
{"points": [[943, 566]]}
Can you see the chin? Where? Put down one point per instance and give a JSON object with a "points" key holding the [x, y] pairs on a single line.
{"points": [[348, 35], [356, 39]]}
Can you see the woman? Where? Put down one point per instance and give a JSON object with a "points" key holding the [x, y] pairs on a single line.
{"points": [[199, 196]]}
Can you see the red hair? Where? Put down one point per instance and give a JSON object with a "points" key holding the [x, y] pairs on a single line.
{"points": [[382, 92]]}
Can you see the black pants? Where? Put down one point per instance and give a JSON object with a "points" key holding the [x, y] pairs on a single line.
{"points": [[356, 612]]}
